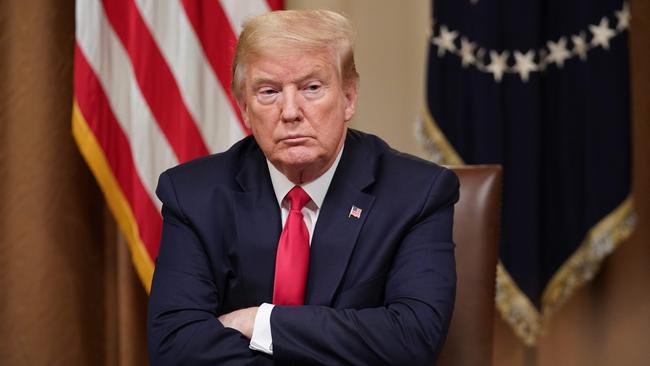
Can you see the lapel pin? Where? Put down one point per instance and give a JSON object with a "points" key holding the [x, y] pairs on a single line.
{"points": [[355, 212]]}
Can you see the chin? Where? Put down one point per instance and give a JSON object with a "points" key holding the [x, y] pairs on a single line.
{"points": [[299, 155], [299, 163]]}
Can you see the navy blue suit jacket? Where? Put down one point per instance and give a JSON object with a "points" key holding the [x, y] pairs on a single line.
{"points": [[380, 288]]}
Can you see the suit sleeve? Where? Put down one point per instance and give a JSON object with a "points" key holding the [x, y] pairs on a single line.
{"points": [[182, 318], [419, 297]]}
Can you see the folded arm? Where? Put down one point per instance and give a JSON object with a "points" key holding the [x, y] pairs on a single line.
{"points": [[184, 304], [409, 328]]}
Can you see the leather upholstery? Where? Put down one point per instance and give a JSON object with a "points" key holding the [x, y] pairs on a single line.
{"points": [[476, 234]]}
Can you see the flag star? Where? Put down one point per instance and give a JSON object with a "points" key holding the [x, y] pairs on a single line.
{"points": [[498, 64], [623, 17], [580, 47], [445, 40], [602, 33], [524, 64], [558, 52], [467, 52]]}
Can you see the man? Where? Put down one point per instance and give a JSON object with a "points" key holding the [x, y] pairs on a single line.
{"points": [[307, 243]]}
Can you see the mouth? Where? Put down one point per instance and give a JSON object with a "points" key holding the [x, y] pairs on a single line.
{"points": [[295, 139]]}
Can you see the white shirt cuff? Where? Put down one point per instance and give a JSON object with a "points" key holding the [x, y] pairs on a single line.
{"points": [[261, 339]]}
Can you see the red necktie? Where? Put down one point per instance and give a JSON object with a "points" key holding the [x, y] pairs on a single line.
{"points": [[292, 258]]}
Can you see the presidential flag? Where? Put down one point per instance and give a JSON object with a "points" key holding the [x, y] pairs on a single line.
{"points": [[152, 90], [541, 87]]}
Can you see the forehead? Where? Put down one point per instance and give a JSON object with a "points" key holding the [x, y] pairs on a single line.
{"points": [[288, 65]]}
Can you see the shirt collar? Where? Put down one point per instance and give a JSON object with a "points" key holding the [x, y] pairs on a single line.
{"points": [[316, 189]]}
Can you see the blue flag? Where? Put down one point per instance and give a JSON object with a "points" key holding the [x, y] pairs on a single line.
{"points": [[541, 87]]}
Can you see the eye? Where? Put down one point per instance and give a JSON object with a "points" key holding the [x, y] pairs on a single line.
{"points": [[313, 87], [266, 94], [266, 91]]}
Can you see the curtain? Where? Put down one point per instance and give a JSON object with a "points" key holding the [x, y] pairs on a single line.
{"points": [[68, 293]]}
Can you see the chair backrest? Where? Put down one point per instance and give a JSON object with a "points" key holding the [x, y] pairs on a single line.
{"points": [[476, 234]]}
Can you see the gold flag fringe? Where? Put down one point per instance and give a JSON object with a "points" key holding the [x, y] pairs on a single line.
{"points": [[117, 203]]}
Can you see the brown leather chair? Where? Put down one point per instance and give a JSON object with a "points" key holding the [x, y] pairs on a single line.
{"points": [[476, 234]]}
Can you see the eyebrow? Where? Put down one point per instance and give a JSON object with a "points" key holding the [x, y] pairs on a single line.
{"points": [[257, 81], [315, 73]]}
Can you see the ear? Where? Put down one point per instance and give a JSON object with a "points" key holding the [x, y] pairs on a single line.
{"points": [[350, 94]]}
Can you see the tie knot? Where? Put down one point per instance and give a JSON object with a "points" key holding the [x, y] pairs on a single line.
{"points": [[298, 198]]}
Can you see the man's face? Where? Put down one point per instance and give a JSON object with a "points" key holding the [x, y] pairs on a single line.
{"points": [[298, 110]]}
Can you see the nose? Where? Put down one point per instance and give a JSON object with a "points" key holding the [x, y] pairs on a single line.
{"points": [[290, 105]]}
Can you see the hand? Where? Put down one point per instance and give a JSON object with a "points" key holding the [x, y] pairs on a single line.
{"points": [[242, 320]]}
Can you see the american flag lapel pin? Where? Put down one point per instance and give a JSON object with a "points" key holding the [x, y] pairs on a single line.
{"points": [[355, 212]]}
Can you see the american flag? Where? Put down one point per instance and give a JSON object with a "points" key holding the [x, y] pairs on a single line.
{"points": [[355, 212], [151, 90]]}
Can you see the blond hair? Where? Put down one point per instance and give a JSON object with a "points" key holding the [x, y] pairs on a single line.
{"points": [[303, 30]]}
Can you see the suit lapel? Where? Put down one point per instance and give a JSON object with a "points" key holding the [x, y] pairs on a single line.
{"points": [[258, 225], [336, 231]]}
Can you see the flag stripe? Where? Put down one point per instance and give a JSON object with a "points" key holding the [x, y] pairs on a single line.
{"points": [[96, 110], [155, 80], [218, 40], [275, 4], [201, 91], [106, 56], [117, 203], [152, 89]]}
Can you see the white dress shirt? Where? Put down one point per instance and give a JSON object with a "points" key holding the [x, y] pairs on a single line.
{"points": [[317, 189]]}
